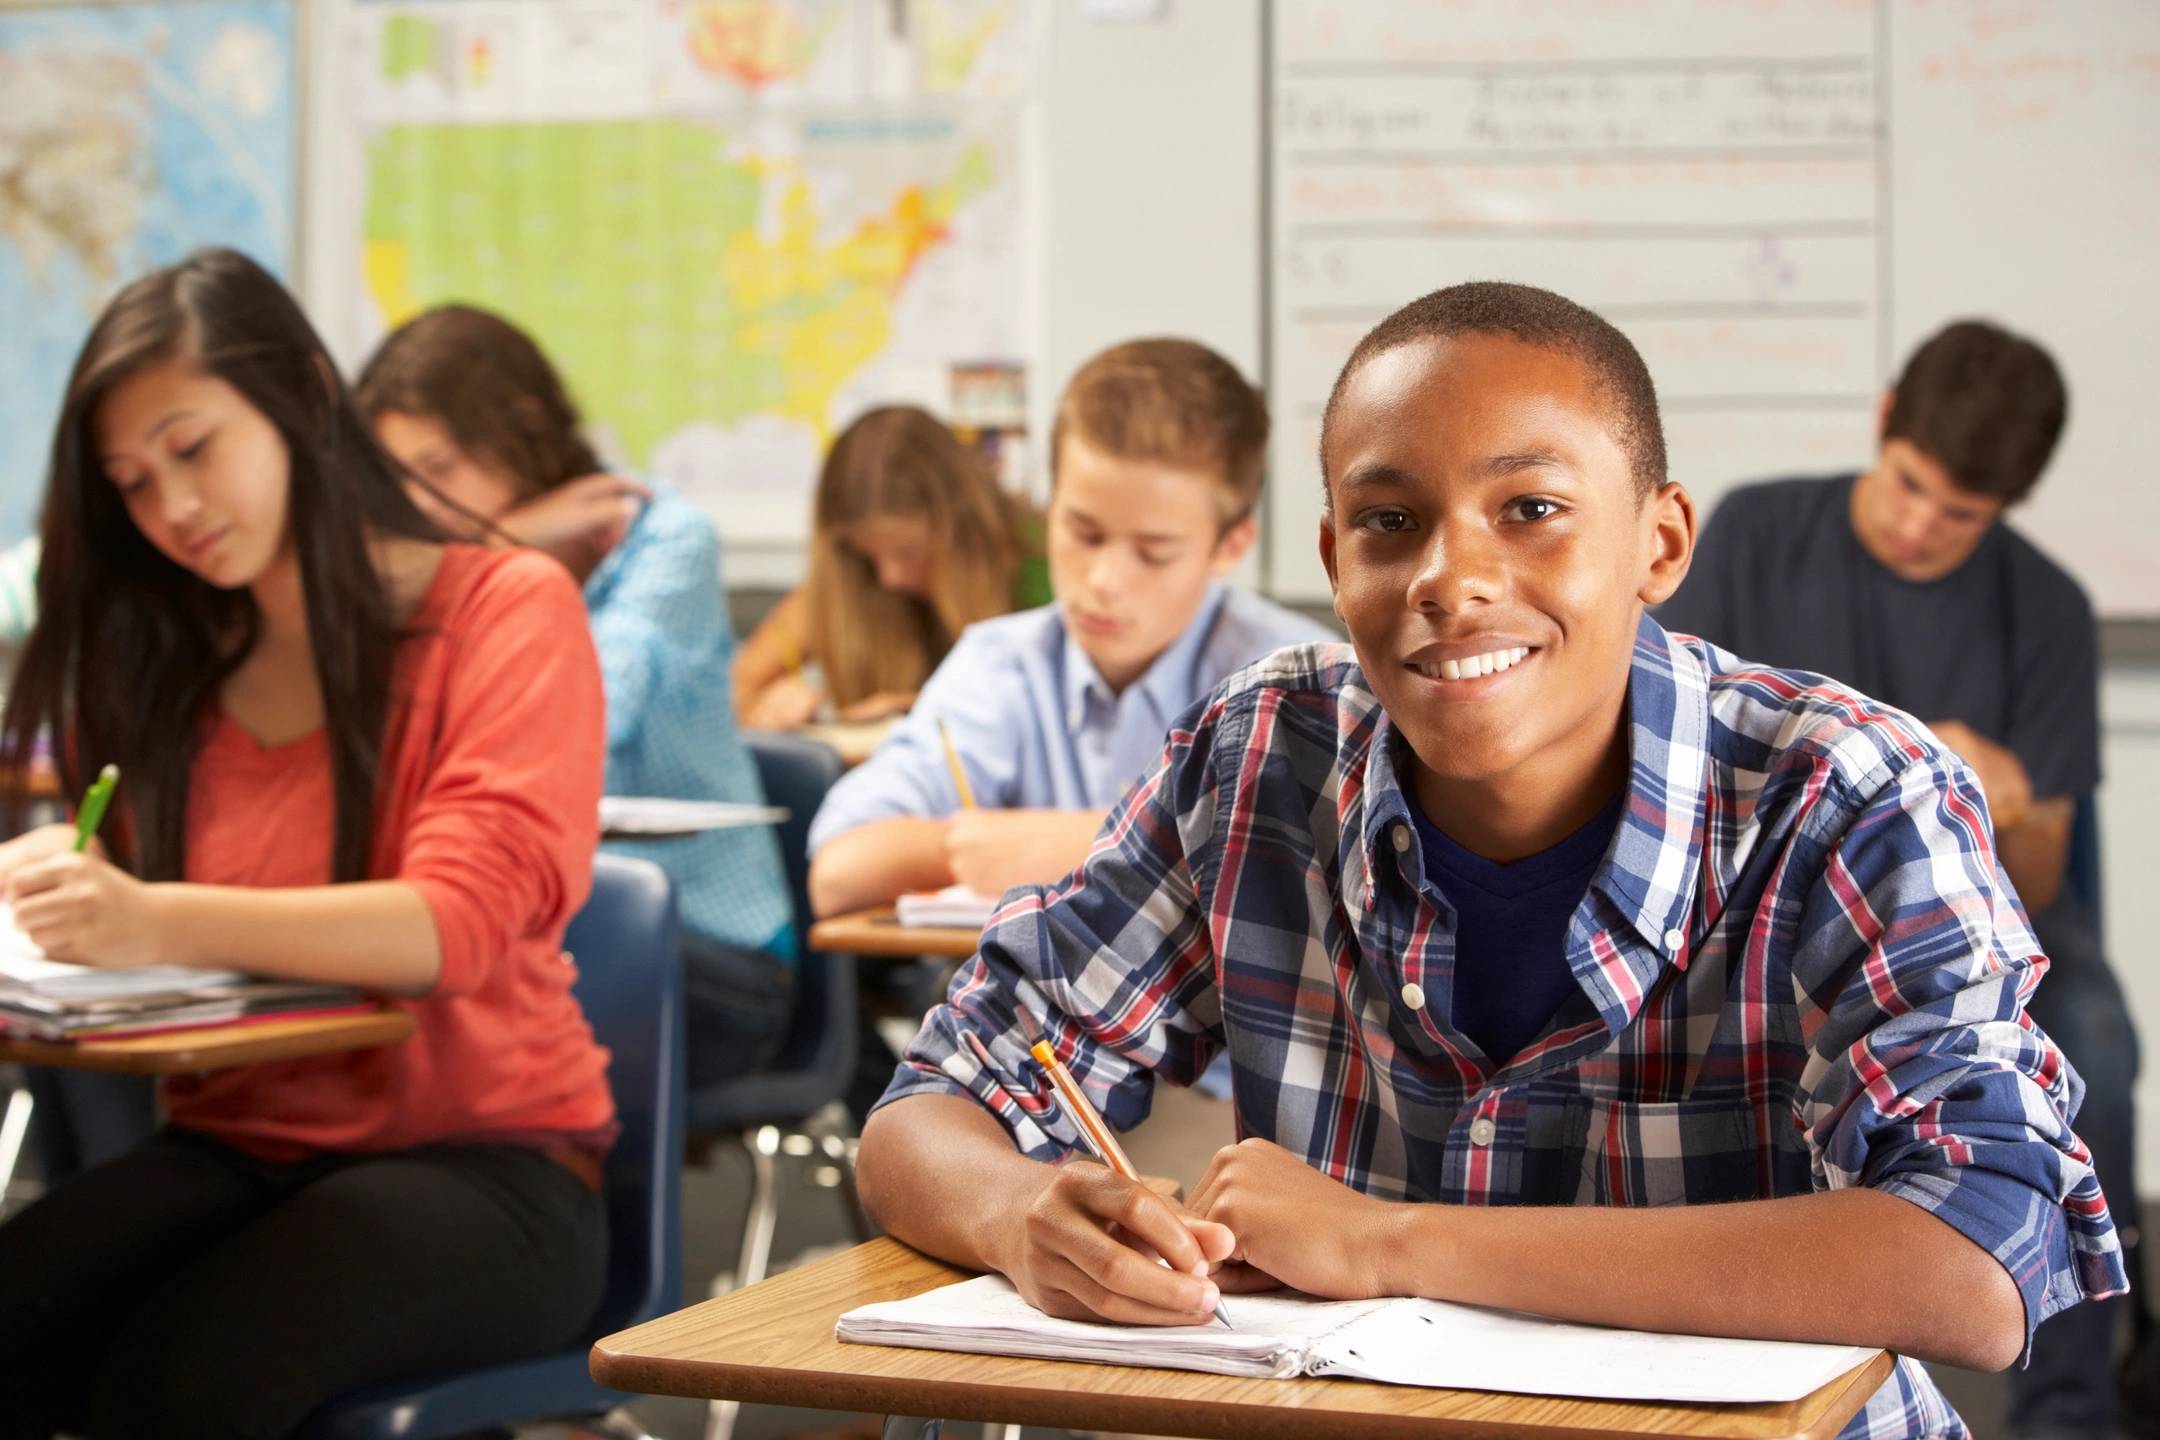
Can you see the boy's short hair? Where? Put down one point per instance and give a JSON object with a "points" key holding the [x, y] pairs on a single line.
{"points": [[1535, 317], [1174, 402], [1984, 404]]}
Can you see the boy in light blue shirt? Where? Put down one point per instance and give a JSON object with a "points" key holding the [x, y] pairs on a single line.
{"points": [[1156, 464]]}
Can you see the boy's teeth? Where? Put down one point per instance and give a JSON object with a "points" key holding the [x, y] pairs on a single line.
{"points": [[1492, 662]]}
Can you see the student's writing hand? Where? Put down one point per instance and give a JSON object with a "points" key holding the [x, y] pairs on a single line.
{"points": [[1085, 1247], [590, 514], [86, 909], [993, 850], [2002, 776], [39, 844], [1294, 1225], [786, 703], [880, 705]]}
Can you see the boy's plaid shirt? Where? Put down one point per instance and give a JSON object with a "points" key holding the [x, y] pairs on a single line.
{"points": [[1800, 969]]}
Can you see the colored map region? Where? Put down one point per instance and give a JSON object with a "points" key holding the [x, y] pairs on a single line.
{"points": [[129, 135], [732, 224], [641, 265]]}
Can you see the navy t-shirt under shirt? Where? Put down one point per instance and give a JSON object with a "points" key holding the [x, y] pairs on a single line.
{"points": [[1511, 925]]}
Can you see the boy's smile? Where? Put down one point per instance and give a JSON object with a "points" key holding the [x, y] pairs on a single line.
{"points": [[1491, 554]]}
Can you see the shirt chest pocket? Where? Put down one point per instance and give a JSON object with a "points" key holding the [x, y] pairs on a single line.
{"points": [[1689, 1152]]}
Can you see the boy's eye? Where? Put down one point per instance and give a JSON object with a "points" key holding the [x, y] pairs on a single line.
{"points": [[1533, 508], [1156, 559], [1386, 520]]}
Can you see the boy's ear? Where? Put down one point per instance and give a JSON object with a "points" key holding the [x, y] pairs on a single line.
{"points": [[1231, 546], [1671, 542], [1327, 553]]}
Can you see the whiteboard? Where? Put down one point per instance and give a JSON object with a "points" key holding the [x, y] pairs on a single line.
{"points": [[1775, 199]]}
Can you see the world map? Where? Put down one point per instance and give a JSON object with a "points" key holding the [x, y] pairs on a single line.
{"points": [[130, 134]]}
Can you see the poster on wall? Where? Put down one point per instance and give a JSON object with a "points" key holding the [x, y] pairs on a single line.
{"points": [[732, 224], [130, 134]]}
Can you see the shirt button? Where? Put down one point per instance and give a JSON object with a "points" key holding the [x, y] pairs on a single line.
{"points": [[1482, 1131], [1413, 995], [1402, 838], [1674, 939]]}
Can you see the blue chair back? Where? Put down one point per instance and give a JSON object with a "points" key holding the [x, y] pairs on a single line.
{"points": [[629, 984], [817, 1060]]}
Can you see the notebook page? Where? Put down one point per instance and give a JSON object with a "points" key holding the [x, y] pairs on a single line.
{"points": [[24, 965], [955, 905], [624, 815], [1462, 1347], [986, 1316]]}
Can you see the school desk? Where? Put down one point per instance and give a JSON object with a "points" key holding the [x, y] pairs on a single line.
{"points": [[878, 932], [851, 740], [772, 1344], [216, 1047]]}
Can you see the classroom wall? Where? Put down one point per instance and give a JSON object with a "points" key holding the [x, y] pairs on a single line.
{"points": [[1151, 217]]}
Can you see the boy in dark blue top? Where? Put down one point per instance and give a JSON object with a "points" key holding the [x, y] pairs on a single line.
{"points": [[1904, 583]]}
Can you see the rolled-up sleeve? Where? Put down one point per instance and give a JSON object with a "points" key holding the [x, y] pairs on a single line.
{"points": [[502, 836], [1925, 1077], [1114, 965]]}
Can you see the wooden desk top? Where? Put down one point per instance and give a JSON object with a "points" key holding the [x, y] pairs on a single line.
{"points": [[215, 1047], [773, 1344], [851, 740], [877, 932]]}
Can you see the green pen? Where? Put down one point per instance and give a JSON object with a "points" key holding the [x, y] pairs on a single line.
{"points": [[94, 801]]}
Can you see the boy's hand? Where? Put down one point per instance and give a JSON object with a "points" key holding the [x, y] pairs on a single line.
{"points": [[84, 909], [993, 850], [1294, 1225], [1085, 1247], [2002, 776]]}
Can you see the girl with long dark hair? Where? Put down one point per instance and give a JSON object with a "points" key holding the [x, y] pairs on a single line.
{"points": [[351, 752]]}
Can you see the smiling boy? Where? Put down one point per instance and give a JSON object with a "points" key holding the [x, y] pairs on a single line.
{"points": [[1623, 925], [1156, 467]]}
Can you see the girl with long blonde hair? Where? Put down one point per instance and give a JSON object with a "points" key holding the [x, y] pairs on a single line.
{"points": [[912, 541]]}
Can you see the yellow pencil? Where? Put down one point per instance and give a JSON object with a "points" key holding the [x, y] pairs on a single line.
{"points": [[959, 773], [1100, 1140]]}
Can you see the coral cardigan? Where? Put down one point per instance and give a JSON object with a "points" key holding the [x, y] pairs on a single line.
{"points": [[488, 806]]}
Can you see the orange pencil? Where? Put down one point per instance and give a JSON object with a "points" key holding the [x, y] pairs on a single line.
{"points": [[959, 771], [1093, 1131]]}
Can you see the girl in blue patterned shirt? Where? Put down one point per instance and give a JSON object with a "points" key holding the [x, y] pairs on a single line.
{"points": [[469, 404]]}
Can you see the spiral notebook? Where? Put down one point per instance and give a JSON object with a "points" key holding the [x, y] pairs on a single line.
{"points": [[1400, 1341]]}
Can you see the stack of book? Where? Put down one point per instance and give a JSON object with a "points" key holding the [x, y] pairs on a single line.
{"points": [[47, 999], [955, 906]]}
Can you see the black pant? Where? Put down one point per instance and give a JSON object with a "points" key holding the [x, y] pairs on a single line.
{"points": [[186, 1289], [738, 1005]]}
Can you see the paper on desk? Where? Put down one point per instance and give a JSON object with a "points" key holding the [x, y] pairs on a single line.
{"points": [[657, 815], [1463, 1347], [1273, 1334], [24, 966], [955, 906], [1401, 1341]]}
